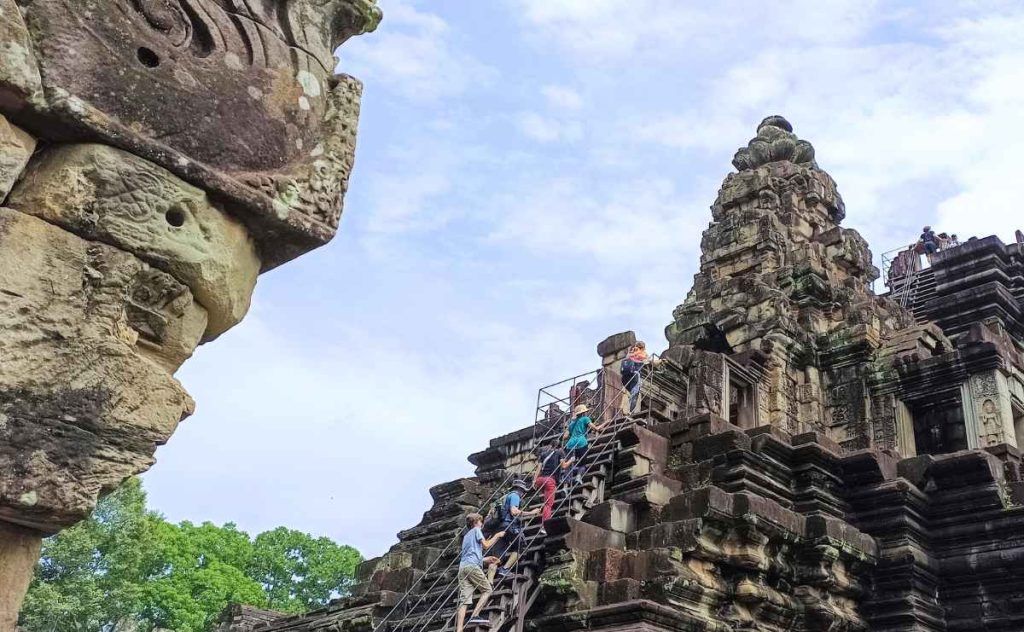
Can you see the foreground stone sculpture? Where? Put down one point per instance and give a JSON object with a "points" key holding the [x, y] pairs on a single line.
{"points": [[155, 157], [812, 457]]}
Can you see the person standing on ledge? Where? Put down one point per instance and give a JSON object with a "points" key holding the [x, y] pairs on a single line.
{"points": [[471, 571], [630, 371], [929, 240], [577, 443]]}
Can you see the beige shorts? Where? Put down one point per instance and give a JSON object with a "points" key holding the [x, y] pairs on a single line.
{"points": [[472, 578]]}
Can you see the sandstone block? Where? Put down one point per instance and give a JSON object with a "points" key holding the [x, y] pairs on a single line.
{"points": [[19, 552], [615, 343], [104, 194], [84, 398], [16, 147], [19, 73], [239, 98]]}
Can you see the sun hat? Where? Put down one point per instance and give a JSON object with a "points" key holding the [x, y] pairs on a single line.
{"points": [[582, 408]]}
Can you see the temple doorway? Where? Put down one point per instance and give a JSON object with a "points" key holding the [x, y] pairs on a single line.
{"points": [[939, 425]]}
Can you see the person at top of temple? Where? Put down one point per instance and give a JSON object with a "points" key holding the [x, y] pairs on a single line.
{"points": [[578, 441], [471, 571], [630, 370], [954, 240], [929, 240], [553, 461]]}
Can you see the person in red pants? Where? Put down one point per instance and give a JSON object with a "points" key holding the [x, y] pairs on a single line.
{"points": [[552, 462]]}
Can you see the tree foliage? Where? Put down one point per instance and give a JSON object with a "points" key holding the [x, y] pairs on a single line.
{"points": [[126, 568]]}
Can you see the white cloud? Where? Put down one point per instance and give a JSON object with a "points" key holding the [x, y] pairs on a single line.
{"points": [[319, 440], [546, 129], [660, 30], [562, 97], [413, 55], [940, 117], [403, 201]]}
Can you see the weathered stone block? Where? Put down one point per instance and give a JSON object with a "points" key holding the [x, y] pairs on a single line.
{"points": [[19, 73], [615, 343], [238, 98], [699, 503], [613, 515], [16, 147], [83, 400], [19, 553], [104, 194], [605, 565]]}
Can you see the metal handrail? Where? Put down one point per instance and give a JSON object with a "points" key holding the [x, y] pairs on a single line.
{"points": [[494, 494], [445, 596]]}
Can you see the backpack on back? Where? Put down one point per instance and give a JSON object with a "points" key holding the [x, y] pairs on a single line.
{"points": [[494, 521]]}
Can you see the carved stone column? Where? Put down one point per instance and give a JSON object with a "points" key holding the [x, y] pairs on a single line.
{"points": [[155, 157], [988, 410]]}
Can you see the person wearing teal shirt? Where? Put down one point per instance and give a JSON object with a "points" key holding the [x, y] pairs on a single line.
{"points": [[578, 441]]}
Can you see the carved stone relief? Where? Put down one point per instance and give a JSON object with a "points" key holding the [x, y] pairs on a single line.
{"points": [[990, 400], [236, 96]]}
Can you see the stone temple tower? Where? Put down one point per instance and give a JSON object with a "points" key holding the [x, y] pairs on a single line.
{"points": [[808, 457], [784, 291]]}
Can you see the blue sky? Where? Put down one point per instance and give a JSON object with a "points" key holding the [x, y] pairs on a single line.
{"points": [[533, 175]]}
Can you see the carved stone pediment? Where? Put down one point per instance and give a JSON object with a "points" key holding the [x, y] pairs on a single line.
{"points": [[237, 96]]}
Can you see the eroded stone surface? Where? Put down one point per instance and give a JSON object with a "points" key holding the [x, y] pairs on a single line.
{"points": [[20, 83], [19, 551], [786, 289], [16, 147], [83, 402], [108, 195], [237, 97], [112, 269]]}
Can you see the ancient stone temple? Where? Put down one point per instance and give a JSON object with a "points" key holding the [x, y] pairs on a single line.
{"points": [[155, 157], [808, 456]]}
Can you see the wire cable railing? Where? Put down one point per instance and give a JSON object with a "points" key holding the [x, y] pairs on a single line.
{"points": [[445, 596], [494, 495], [441, 600], [490, 499]]}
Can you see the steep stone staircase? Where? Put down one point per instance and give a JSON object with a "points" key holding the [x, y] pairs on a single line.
{"points": [[914, 292], [513, 594], [434, 608]]}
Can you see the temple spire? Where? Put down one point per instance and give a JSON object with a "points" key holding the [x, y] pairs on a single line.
{"points": [[775, 141]]}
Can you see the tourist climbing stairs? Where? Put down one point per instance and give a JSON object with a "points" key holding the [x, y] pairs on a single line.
{"points": [[433, 609], [571, 501]]}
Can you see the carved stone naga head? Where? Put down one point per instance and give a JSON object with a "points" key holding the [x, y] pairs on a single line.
{"points": [[238, 97], [155, 157]]}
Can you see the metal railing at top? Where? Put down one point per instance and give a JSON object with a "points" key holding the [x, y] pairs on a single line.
{"points": [[903, 263], [554, 409], [555, 402], [899, 263]]}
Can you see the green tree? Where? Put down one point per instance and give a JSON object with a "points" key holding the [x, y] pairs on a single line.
{"points": [[88, 577], [193, 572], [300, 572], [127, 566]]}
